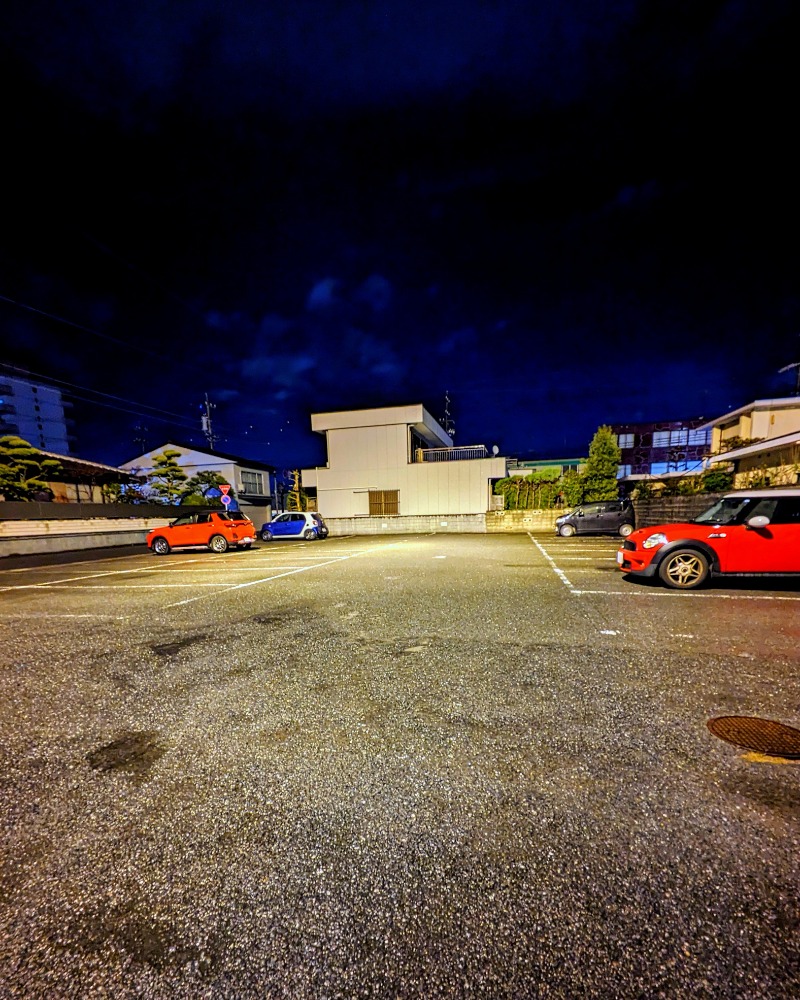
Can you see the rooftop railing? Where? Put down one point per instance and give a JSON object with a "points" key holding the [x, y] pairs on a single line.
{"points": [[451, 454]]}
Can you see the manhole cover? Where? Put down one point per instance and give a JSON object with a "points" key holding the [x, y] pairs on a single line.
{"points": [[762, 735]]}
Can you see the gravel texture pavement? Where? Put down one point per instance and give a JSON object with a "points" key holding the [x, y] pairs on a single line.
{"points": [[416, 767]]}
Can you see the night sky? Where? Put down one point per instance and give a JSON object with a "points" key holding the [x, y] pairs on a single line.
{"points": [[562, 214]]}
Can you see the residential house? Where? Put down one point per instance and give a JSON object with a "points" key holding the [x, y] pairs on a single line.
{"points": [[252, 481], [761, 440], [82, 481], [397, 462]]}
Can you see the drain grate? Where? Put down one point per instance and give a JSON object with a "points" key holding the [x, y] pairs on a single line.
{"points": [[762, 735]]}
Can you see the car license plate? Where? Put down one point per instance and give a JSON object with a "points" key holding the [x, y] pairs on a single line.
{"points": [[619, 559], [247, 538]]}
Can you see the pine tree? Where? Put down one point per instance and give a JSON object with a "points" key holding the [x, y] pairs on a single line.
{"points": [[195, 489], [167, 478], [24, 470], [602, 466]]}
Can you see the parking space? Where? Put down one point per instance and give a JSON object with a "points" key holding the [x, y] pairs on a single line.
{"points": [[104, 588], [588, 566], [305, 763]]}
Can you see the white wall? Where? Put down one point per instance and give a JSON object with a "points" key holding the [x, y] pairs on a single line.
{"points": [[193, 462], [424, 487]]}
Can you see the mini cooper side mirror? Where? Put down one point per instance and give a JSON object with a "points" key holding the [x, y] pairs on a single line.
{"points": [[759, 521]]}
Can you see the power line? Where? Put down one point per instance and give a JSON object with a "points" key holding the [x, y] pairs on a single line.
{"points": [[80, 326], [85, 388]]}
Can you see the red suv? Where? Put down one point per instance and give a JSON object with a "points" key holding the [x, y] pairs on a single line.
{"points": [[750, 532], [217, 530]]}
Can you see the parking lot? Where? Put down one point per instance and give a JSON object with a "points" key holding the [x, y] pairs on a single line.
{"points": [[412, 766]]}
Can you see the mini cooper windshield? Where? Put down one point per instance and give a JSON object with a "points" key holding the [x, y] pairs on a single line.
{"points": [[729, 510]]}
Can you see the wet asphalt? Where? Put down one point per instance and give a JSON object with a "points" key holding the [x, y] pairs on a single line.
{"points": [[425, 766]]}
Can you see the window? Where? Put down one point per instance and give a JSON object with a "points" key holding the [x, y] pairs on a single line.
{"points": [[660, 439], [625, 440], [678, 437], [787, 511], [383, 502], [252, 482], [623, 470], [659, 468], [699, 437]]}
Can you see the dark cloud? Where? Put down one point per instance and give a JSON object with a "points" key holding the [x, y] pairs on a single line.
{"points": [[567, 209]]}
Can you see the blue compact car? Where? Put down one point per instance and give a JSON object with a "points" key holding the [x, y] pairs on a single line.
{"points": [[308, 526]]}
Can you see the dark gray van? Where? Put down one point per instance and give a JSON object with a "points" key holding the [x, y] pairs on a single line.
{"points": [[604, 517]]}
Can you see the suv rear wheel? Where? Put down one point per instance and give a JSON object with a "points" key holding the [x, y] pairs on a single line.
{"points": [[218, 544], [684, 569]]}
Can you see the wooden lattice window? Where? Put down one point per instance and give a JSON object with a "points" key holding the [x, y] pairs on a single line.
{"points": [[383, 502]]}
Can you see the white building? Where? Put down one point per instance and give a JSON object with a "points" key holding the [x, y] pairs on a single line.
{"points": [[35, 412], [253, 482], [397, 461]]}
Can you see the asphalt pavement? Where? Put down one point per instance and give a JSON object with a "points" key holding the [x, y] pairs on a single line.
{"points": [[416, 766]]}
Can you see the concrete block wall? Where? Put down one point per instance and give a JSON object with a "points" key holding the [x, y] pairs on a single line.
{"points": [[409, 525], [24, 538], [516, 521]]}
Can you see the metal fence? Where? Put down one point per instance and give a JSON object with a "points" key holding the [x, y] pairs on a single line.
{"points": [[451, 454]]}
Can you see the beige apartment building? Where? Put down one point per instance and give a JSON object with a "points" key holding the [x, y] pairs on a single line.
{"points": [[397, 462], [761, 440]]}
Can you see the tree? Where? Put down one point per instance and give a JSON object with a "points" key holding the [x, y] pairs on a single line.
{"points": [[717, 480], [167, 478], [196, 488], [600, 474], [24, 470], [572, 486]]}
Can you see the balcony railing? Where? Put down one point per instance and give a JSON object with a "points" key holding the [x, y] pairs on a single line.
{"points": [[451, 454]]}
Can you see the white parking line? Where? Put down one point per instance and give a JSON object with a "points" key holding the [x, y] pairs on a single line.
{"points": [[302, 569], [694, 594], [48, 614], [639, 592], [71, 579], [611, 558], [128, 586], [559, 573]]}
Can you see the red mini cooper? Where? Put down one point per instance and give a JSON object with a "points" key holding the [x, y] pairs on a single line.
{"points": [[749, 533]]}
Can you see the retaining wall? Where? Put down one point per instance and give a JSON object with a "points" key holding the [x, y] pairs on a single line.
{"points": [[417, 524], [25, 538], [516, 521]]}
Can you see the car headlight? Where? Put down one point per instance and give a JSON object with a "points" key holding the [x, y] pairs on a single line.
{"points": [[659, 538], [559, 520]]}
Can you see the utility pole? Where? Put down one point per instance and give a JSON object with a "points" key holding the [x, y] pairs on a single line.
{"points": [[449, 424], [787, 368], [140, 440], [205, 421]]}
